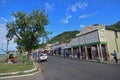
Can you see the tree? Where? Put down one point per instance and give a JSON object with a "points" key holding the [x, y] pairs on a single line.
{"points": [[28, 29]]}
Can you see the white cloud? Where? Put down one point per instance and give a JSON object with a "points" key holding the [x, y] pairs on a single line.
{"points": [[3, 41], [11, 19], [12, 45], [3, 33], [66, 20], [83, 16], [3, 19], [82, 26], [78, 5], [4, 2], [48, 6], [2, 24]]}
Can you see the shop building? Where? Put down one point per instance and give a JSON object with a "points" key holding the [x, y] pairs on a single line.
{"points": [[56, 48], [96, 42]]}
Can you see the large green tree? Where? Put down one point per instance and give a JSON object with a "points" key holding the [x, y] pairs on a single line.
{"points": [[28, 29]]}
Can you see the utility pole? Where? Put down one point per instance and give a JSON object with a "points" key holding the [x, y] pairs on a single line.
{"points": [[7, 54], [7, 45]]}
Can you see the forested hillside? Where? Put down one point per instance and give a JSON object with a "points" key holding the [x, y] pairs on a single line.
{"points": [[64, 37], [67, 36], [115, 26]]}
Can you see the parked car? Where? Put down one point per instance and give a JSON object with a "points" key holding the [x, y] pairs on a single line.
{"points": [[42, 57]]}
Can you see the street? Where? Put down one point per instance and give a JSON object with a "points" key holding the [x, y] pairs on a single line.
{"points": [[66, 69], [57, 68]]}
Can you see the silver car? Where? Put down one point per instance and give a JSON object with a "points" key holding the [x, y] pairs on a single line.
{"points": [[42, 57]]}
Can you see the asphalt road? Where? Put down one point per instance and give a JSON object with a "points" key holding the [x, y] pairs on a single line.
{"points": [[66, 69]]}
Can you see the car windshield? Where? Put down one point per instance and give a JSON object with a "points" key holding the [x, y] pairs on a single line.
{"points": [[42, 54]]}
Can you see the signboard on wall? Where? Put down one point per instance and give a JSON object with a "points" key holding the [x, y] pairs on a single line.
{"points": [[90, 28]]}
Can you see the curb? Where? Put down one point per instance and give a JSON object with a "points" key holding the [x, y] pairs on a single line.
{"points": [[20, 75], [11, 73], [27, 71]]}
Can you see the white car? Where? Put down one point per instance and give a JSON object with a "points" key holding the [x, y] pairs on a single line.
{"points": [[42, 57]]}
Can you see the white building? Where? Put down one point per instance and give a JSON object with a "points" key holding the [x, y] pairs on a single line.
{"points": [[96, 42]]}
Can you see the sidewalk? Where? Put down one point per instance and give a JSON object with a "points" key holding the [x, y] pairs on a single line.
{"points": [[112, 62], [96, 61], [104, 62]]}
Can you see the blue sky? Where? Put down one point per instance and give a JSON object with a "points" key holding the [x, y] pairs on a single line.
{"points": [[64, 15]]}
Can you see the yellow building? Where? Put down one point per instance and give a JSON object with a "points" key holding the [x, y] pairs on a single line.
{"points": [[96, 42]]}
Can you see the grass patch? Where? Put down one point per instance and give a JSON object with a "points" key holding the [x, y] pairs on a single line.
{"points": [[4, 68]]}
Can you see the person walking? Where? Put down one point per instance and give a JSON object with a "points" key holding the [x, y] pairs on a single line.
{"points": [[24, 57], [115, 56]]}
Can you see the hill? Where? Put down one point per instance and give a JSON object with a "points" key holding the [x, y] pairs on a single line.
{"points": [[115, 26], [67, 36], [64, 37]]}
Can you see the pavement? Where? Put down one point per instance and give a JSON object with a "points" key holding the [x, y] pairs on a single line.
{"points": [[95, 61], [104, 62]]}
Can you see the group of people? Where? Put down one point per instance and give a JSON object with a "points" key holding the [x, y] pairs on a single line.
{"points": [[10, 58]]}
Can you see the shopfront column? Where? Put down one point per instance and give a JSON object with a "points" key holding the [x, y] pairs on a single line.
{"points": [[101, 52], [93, 52], [80, 52], [72, 52], [98, 49], [86, 54], [107, 53]]}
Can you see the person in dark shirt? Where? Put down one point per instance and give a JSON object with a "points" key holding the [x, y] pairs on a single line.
{"points": [[115, 56], [11, 58]]}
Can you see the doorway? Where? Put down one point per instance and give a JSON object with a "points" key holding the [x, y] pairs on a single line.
{"points": [[89, 53]]}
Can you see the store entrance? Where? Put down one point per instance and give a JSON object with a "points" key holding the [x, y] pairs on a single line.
{"points": [[89, 53], [104, 52]]}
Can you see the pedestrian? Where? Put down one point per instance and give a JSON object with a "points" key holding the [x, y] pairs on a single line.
{"points": [[68, 54], [11, 58], [24, 57], [115, 56]]}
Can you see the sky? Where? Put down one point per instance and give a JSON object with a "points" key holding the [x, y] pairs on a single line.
{"points": [[64, 15]]}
